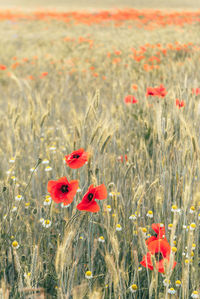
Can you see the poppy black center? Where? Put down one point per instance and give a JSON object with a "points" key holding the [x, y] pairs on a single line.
{"points": [[76, 156], [64, 188], [158, 256], [90, 196], [154, 234]]}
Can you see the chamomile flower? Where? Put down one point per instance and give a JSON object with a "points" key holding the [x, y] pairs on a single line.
{"points": [[175, 209], [33, 169], [187, 262], [199, 216], [88, 274], [139, 269], [192, 226], [15, 244], [18, 197], [14, 209], [118, 227], [192, 210], [133, 288], [79, 189], [52, 148], [47, 201], [144, 230], [12, 160], [27, 205], [13, 178], [101, 239], [46, 223], [170, 225], [108, 208], [150, 214], [48, 168], [178, 283], [195, 294], [171, 291], [133, 217], [45, 161], [193, 246]]}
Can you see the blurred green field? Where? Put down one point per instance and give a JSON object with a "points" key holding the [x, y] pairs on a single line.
{"points": [[63, 86]]}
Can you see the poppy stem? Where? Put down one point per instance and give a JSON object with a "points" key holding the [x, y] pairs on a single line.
{"points": [[90, 236]]}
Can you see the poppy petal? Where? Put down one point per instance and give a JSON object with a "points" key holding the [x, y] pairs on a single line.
{"points": [[50, 185], [159, 246], [146, 261], [100, 192], [92, 207], [151, 239]]}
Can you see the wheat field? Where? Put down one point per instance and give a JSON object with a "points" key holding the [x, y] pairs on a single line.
{"points": [[68, 83]]}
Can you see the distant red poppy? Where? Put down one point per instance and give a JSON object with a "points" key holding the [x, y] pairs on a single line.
{"points": [[196, 91], [77, 158], [161, 250], [159, 230], [156, 91], [2, 67], [44, 75], [88, 202], [179, 103], [130, 99], [122, 158], [62, 191]]}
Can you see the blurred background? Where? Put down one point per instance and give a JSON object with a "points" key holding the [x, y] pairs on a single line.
{"points": [[101, 4]]}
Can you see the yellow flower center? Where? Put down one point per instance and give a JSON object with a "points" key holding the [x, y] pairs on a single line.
{"points": [[14, 243], [88, 273], [134, 287], [174, 207]]}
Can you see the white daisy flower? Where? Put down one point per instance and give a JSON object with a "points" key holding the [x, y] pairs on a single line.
{"points": [[46, 223], [45, 161], [18, 197], [133, 288], [171, 291], [48, 168], [133, 217], [101, 239], [15, 244], [88, 274], [118, 228]]}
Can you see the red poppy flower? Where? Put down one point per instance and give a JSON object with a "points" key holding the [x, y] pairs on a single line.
{"points": [[161, 250], [77, 159], [88, 202], [180, 104], [122, 158], [130, 99], [196, 91], [156, 91], [159, 230], [2, 67], [62, 191]]}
